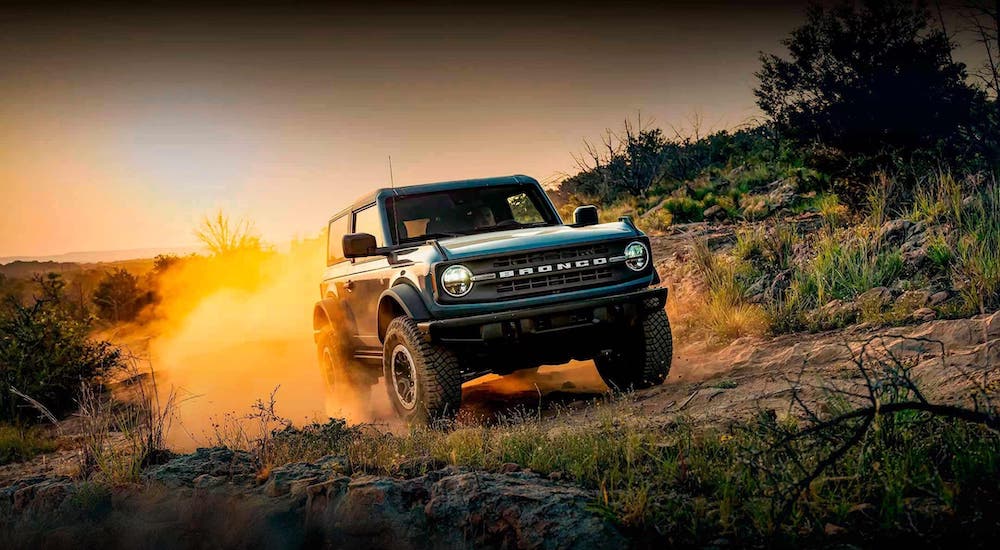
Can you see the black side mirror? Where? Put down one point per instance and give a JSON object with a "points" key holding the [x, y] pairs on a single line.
{"points": [[359, 245], [585, 215]]}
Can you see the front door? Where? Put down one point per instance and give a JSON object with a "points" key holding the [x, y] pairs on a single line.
{"points": [[368, 278]]}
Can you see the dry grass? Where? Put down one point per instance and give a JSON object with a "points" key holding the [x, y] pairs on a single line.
{"points": [[122, 434]]}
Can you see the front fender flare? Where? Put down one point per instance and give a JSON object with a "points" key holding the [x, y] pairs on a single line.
{"points": [[401, 299]]}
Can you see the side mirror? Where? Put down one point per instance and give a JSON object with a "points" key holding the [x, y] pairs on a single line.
{"points": [[359, 245], [585, 215]]}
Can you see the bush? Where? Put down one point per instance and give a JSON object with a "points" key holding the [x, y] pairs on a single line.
{"points": [[46, 353], [684, 209], [19, 444]]}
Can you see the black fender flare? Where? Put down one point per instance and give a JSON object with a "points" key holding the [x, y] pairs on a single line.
{"points": [[400, 299], [327, 312]]}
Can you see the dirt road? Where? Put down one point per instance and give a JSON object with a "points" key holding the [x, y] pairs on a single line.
{"points": [[733, 383]]}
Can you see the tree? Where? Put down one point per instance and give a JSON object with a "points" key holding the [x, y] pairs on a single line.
{"points": [[869, 83], [119, 298], [223, 235], [982, 21], [630, 161]]}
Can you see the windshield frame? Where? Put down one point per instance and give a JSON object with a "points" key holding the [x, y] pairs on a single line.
{"points": [[538, 198]]}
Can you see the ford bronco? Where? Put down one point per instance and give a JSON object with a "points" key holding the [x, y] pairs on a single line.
{"points": [[428, 286]]}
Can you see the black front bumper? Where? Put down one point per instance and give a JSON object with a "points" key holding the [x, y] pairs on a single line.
{"points": [[553, 319]]}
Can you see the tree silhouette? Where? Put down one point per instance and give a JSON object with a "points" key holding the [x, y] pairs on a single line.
{"points": [[119, 298], [869, 82], [223, 235]]}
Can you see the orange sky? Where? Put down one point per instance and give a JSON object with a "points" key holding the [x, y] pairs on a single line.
{"points": [[121, 129]]}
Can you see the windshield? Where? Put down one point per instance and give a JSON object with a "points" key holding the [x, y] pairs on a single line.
{"points": [[466, 211]]}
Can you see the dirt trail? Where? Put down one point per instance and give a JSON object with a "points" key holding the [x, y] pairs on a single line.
{"points": [[733, 383]]}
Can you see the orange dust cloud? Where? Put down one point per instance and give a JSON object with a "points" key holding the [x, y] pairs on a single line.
{"points": [[230, 329]]}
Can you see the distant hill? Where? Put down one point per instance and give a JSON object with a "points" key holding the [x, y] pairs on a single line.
{"points": [[102, 255], [24, 270]]}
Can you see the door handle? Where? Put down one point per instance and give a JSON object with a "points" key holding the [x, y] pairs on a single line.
{"points": [[349, 286]]}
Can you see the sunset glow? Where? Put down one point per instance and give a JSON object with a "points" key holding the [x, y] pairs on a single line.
{"points": [[121, 131]]}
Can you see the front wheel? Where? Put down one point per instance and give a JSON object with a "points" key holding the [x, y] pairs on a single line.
{"points": [[422, 379], [641, 359]]}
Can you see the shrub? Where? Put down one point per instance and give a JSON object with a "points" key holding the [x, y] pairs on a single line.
{"points": [[19, 444], [684, 209], [46, 353], [656, 221]]}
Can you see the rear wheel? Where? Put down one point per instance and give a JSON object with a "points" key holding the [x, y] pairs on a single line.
{"points": [[348, 385], [643, 357], [422, 379]]}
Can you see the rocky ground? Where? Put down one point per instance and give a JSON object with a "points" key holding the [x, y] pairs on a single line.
{"points": [[217, 496]]}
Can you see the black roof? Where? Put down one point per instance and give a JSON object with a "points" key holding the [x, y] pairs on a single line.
{"points": [[385, 192]]}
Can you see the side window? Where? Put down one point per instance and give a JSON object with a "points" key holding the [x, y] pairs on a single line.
{"points": [[368, 221], [335, 239]]}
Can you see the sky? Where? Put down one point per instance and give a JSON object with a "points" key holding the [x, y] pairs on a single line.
{"points": [[121, 127]]}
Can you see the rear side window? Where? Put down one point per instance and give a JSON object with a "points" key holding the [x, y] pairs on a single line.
{"points": [[335, 239], [368, 221]]}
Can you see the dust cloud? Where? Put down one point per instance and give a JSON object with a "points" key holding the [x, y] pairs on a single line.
{"points": [[230, 329]]}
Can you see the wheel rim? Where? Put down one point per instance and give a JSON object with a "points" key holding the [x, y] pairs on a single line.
{"points": [[404, 376]]}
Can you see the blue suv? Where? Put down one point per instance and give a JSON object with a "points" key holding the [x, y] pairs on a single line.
{"points": [[428, 286]]}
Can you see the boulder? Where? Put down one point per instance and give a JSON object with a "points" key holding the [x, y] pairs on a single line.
{"points": [[939, 298], [875, 296], [924, 314], [714, 212], [517, 511], [237, 467], [781, 193], [913, 299]]}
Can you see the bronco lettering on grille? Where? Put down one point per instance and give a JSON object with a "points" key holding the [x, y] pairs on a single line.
{"points": [[548, 268]]}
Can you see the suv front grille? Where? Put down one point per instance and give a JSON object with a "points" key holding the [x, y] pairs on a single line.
{"points": [[555, 280], [538, 272], [549, 256]]}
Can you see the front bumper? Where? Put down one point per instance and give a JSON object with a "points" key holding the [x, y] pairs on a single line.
{"points": [[543, 320]]}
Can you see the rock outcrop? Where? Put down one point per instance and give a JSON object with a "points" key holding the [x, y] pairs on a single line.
{"points": [[314, 504]]}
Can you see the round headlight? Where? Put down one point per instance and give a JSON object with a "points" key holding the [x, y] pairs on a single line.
{"points": [[636, 256], [457, 281]]}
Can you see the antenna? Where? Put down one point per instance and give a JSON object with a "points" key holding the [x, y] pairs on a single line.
{"points": [[392, 181]]}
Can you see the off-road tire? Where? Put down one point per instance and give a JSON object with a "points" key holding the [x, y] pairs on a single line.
{"points": [[642, 360], [438, 383], [348, 384]]}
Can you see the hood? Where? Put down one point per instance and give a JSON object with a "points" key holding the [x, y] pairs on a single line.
{"points": [[521, 240]]}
